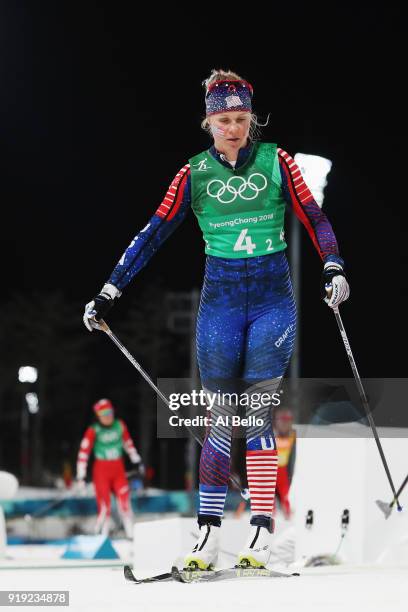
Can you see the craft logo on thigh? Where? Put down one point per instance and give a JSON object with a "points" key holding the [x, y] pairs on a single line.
{"points": [[285, 334]]}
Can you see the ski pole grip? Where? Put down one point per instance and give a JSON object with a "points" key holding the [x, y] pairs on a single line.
{"points": [[101, 325]]}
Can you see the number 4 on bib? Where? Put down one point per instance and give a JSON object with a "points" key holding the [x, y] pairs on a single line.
{"points": [[244, 243]]}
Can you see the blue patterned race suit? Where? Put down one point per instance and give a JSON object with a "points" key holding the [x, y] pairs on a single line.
{"points": [[245, 329]]}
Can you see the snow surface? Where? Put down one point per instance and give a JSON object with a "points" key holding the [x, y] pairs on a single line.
{"points": [[331, 588]]}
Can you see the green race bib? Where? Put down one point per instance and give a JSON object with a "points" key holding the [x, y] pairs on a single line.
{"points": [[108, 441], [240, 212]]}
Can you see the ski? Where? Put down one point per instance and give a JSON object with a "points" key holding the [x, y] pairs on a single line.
{"points": [[130, 577], [192, 575], [188, 576]]}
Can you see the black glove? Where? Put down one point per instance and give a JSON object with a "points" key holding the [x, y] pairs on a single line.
{"points": [[100, 305], [140, 469]]}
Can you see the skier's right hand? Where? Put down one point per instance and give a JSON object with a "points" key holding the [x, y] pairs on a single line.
{"points": [[100, 305], [80, 487]]}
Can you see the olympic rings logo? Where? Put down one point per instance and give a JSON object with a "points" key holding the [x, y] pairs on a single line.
{"points": [[238, 190]]}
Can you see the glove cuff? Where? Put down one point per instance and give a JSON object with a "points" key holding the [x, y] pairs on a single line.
{"points": [[111, 291], [331, 258], [333, 265]]}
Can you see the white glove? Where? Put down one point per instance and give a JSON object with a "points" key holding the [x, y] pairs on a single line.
{"points": [[336, 287], [81, 470], [134, 456], [80, 487]]}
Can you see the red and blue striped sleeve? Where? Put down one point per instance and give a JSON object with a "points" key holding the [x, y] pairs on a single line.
{"points": [[298, 195], [171, 212]]}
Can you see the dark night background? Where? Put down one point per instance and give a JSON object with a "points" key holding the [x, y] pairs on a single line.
{"points": [[100, 106]]}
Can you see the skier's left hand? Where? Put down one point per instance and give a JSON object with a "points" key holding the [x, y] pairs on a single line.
{"points": [[140, 469], [100, 305], [136, 460], [335, 286]]}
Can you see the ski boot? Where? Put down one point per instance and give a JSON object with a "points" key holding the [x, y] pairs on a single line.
{"points": [[257, 549], [205, 552]]}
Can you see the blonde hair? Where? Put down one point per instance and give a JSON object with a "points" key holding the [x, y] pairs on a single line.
{"points": [[226, 75], [220, 75]]}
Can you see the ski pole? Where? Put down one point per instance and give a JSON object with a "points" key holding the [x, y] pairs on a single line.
{"points": [[49, 506], [133, 474], [387, 508], [103, 326], [45, 509], [364, 400]]}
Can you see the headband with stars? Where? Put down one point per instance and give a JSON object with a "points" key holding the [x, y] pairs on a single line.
{"points": [[228, 95]]}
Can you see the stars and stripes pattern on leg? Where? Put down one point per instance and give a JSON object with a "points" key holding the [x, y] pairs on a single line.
{"points": [[214, 465], [212, 499], [260, 434], [262, 469], [216, 452]]}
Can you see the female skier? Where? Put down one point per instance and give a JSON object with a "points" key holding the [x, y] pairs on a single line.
{"points": [[238, 190], [108, 438]]}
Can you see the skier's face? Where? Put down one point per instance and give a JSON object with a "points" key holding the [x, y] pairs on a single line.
{"points": [[230, 130], [283, 422], [106, 419]]}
